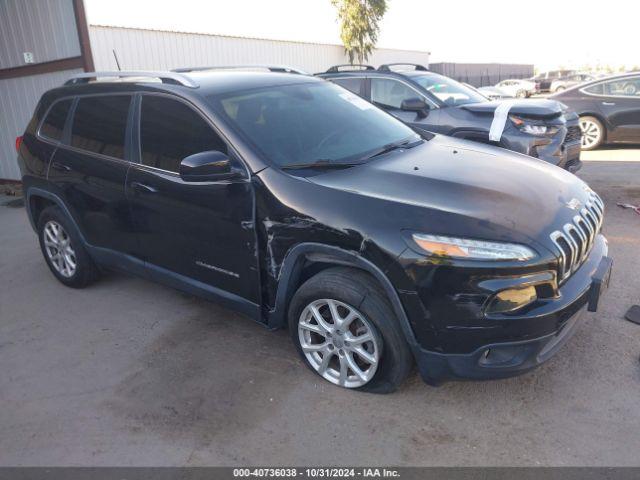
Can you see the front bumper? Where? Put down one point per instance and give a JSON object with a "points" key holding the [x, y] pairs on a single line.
{"points": [[559, 150], [496, 360], [521, 341]]}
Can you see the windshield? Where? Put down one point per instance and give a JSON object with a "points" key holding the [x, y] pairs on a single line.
{"points": [[447, 90], [311, 123]]}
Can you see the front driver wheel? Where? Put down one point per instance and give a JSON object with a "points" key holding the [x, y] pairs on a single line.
{"points": [[592, 133], [345, 330], [521, 94]]}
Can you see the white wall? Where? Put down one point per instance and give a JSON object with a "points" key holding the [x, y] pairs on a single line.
{"points": [[139, 49]]}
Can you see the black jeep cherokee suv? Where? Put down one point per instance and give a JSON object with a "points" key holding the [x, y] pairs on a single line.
{"points": [[296, 202], [544, 129]]}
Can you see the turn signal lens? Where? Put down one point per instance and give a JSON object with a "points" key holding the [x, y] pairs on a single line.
{"points": [[18, 144], [442, 246], [512, 299]]}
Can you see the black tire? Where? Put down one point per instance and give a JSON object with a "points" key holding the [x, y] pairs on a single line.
{"points": [[521, 94], [358, 289], [560, 89], [86, 271], [587, 122]]}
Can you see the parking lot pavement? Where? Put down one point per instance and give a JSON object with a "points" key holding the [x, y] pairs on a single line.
{"points": [[131, 373]]}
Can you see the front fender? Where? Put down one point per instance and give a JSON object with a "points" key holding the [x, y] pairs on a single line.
{"points": [[315, 252]]}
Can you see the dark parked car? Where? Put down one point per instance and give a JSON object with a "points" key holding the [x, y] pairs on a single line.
{"points": [[432, 102], [609, 109], [299, 204], [544, 80]]}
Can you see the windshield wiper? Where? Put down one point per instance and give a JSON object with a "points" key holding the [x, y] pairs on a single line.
{"points": [[319, 164], [395, 146]]}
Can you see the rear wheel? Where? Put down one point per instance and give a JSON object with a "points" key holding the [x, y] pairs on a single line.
{"points": [[345, 330], [592, 132], [63, 250], [521, 94]]}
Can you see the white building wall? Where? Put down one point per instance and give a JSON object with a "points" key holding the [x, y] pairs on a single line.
{"points": [[139, 49]]}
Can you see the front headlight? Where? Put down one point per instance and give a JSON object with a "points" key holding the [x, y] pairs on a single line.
{"points": [[442, 246], [533, 128]]}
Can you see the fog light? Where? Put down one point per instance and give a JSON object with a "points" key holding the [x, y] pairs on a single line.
{"points": [[512, 299]]}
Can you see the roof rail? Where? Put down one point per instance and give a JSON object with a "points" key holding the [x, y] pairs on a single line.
{"points": [[416, 66], [349, 67], [172, 78], [271, 68]]}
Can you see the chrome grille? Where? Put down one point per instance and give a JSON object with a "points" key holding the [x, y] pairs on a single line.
{"points": [[575, 240]]}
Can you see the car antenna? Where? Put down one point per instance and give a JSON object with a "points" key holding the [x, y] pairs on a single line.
{"points": [[115, 55]]}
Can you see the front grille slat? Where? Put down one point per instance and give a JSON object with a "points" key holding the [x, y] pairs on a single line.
{"points": [[576, 238], [591, 221], [581, 240], [587, 233]]}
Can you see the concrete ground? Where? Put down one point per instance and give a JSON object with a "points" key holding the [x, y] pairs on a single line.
{"points": [[131, 373]]}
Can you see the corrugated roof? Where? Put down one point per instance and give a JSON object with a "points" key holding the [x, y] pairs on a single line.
{"points": [[242, 37]]}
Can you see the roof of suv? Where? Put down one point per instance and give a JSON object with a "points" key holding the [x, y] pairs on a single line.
{"points": [[216, 82], [201, 82], [384, 73]]}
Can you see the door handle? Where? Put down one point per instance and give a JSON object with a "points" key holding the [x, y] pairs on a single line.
{"points": [[141, 187], [61, 167], [608, 104]]}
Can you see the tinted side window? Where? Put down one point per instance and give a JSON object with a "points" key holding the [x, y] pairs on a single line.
{"points": [[355, 85], [623, 87], [171, 131], [390, 93], [100, 123], [53, 124]]}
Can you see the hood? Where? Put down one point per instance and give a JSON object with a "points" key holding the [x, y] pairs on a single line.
{"points": [[492, 191], [529, 107]]}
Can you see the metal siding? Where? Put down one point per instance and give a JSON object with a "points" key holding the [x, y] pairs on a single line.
{"points": [[18, 100], [153, 50], [44, 27], [483, 74]]}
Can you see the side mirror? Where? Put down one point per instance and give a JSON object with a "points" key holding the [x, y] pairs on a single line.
{"points": [[208, 166], [415, 104]]}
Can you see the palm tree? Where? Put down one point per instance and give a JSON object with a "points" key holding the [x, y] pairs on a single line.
{"points": [[359, 26]]}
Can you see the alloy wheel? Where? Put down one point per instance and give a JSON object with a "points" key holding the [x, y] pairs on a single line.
{"points": [[57, 244], [339, 342], [591, 133]]}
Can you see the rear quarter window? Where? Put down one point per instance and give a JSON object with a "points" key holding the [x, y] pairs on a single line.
{"points": [[53, 125], [100, 124], [596, 89], [355, 85]]}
